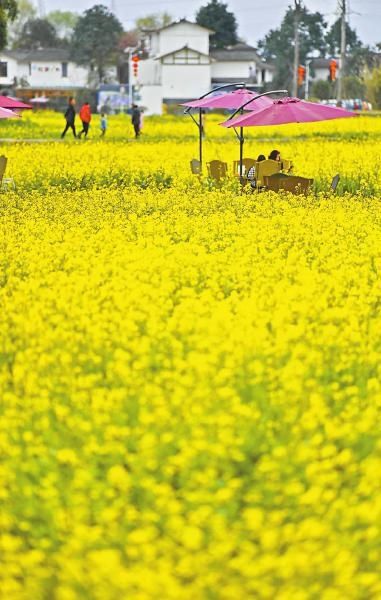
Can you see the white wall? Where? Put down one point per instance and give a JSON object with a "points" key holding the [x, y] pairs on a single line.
{"points": [[241, 70], [149, 72], [12, 70], [322, 73], [232, 69], [185, 81], [269, 76], [264, 75], [153, 43], [182, 34], [151, 99], [49, 75]]}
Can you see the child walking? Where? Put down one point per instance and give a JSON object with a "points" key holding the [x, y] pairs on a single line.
{"points": [[103, 124]]}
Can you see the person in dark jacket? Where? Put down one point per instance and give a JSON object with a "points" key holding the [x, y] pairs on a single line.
{"points": [[70, 118], [136, 119]]}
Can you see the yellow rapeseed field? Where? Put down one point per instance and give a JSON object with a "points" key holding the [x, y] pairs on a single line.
{"points": [[189, 375]]}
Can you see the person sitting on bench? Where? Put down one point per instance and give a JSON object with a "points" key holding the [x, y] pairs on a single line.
{"points": [[251, 171]]}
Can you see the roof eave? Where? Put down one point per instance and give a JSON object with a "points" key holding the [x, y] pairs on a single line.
{"points": [[179, 50]]}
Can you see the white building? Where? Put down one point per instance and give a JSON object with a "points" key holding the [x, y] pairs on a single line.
{"points": [[180, 66], [240, 63], [41, 72], [177, 34], [319, 68], [177, 67]]}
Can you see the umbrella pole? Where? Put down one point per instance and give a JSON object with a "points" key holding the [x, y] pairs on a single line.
{"points": [[199, 124], [241, 142], [200, 137]]}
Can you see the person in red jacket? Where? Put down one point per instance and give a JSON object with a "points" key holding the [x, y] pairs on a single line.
{"points": [[85, 116]]}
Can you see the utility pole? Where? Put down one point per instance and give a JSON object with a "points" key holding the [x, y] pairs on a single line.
{"points": [[298, 6], [41, 9], [343, 46], [307, 86], [130, 51]]}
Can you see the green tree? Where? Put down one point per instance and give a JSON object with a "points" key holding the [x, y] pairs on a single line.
{"points": [[37, 33], [215, 16], [129, 39], [358, 56], [321, 89], [26, 12], [153, 21], [353, 87], [64, 22], [373, 87], [95, 39], [333, 39], [133, 37], [8, 12], [278, 45], [358, 60]]}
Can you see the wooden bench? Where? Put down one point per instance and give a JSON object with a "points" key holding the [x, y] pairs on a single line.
{"points": [[289, 183]]}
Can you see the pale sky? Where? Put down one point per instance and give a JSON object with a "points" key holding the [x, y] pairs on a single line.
{"points": [[255, 17]]}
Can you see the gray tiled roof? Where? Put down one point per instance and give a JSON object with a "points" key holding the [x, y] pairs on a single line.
{"points": [[321, 63], [234, 80], [237, 53], [178, 22], [43, 54]]}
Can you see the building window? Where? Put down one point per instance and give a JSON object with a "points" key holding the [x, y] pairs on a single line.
{"points": [[3, 69], [64, 69], [185, 57]]}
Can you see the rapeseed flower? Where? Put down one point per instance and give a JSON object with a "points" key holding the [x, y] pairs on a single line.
{"points": [[189, 376]]}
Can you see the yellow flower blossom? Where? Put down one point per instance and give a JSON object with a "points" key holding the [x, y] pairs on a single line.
{"points": [[189, 375]]}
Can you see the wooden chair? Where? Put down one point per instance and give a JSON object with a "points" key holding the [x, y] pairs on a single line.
{"points": [[247, 163], [5, 181], [288, 183], [286, 165], [195, 166], [217, 169], [266, 168]]}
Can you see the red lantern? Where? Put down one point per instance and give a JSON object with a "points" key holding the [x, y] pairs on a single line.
{"points": [[135, 65], [301, 74], [332, 69]]}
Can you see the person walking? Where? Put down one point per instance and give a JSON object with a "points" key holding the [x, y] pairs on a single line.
{"points": [[103, 124], [136, 119], [70, 118], [85, 116]]}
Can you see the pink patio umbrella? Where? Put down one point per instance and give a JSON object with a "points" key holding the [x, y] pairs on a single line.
{"points": [[13, 103], [8, 114], [287, 110], [232, 100]]}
